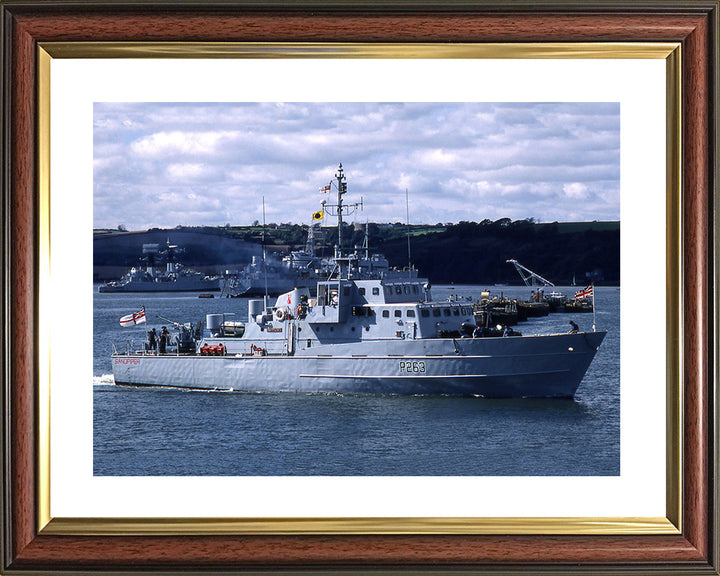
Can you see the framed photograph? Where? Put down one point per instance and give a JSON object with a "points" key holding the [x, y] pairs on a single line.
{"points": [[169, 117]]}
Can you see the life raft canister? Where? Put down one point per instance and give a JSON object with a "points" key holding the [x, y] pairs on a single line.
{"points": [[279, 314]]}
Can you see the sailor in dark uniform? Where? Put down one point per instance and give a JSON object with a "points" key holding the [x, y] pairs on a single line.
{"points": [[152, 340], [164, 336], [573, 328]]}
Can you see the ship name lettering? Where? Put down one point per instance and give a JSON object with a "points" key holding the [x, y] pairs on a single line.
{"points": [[412, 367], [127, 361]]}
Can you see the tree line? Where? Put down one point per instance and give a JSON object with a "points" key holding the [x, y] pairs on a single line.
{"points": [[461, 253]]}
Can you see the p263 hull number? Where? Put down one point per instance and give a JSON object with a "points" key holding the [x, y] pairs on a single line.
{"points": [[412, 367]]}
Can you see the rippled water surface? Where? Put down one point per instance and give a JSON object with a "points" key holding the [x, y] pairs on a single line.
{"points": [[155, 431]]}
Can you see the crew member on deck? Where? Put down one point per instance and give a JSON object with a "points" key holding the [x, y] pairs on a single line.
{"points": [[164, 336], [573, 328], [152, 340]]}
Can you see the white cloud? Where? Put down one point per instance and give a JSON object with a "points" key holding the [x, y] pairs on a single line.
{"points": [[165, 143], [575, 190], [203, 163], [181, 172]]}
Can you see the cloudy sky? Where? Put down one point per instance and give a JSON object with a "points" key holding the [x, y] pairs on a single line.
{"points": [[169, 164]]}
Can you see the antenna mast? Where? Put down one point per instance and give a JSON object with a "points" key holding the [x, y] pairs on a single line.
{"points": [[264, 258], [366, 241], [341, 209], [407, 220], [342, 189]]}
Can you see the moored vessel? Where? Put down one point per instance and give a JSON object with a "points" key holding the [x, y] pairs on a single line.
{"points": [[152, 277]]}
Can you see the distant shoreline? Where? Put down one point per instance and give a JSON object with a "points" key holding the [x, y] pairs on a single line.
{"points": [[461, 253]]}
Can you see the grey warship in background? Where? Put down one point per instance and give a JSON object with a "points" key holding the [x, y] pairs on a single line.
{"points": [[304, 268], [362, 336], [174, 277]]}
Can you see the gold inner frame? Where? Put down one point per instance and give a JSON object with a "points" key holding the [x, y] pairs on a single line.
{"points": [[671, 524]]}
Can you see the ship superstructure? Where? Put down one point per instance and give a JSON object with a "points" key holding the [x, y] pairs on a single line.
{"points": [[304, 268]]}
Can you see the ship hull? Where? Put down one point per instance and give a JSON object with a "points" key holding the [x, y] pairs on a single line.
{"points": [[178, 286], [529, 366], [254, 288]]}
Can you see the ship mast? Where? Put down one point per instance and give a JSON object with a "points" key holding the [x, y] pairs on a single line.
{"points": [[342, 260], [342, 189], [366, 242], [310, 243], [407, 220], [264, 256]]}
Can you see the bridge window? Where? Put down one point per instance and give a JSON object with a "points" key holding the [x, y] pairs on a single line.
{"points": [[436, 311], [386, 313], [406, 289], [415, 289], [398, 313], [411, 313], [425, 312], [456, 311], [376, 291], [321, 296], [398, 289], [362, 291], [446, 311]]}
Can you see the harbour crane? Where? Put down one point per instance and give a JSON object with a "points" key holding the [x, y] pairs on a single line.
{"points": [[529, 277]]}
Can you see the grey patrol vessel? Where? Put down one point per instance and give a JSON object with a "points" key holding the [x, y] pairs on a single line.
{"points": [[362, 336]]}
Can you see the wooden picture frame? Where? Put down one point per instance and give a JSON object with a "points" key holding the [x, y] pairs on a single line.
{"points": [[28, 546]]}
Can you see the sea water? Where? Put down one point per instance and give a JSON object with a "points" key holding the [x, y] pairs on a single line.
{"points": [[160, 432]]}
